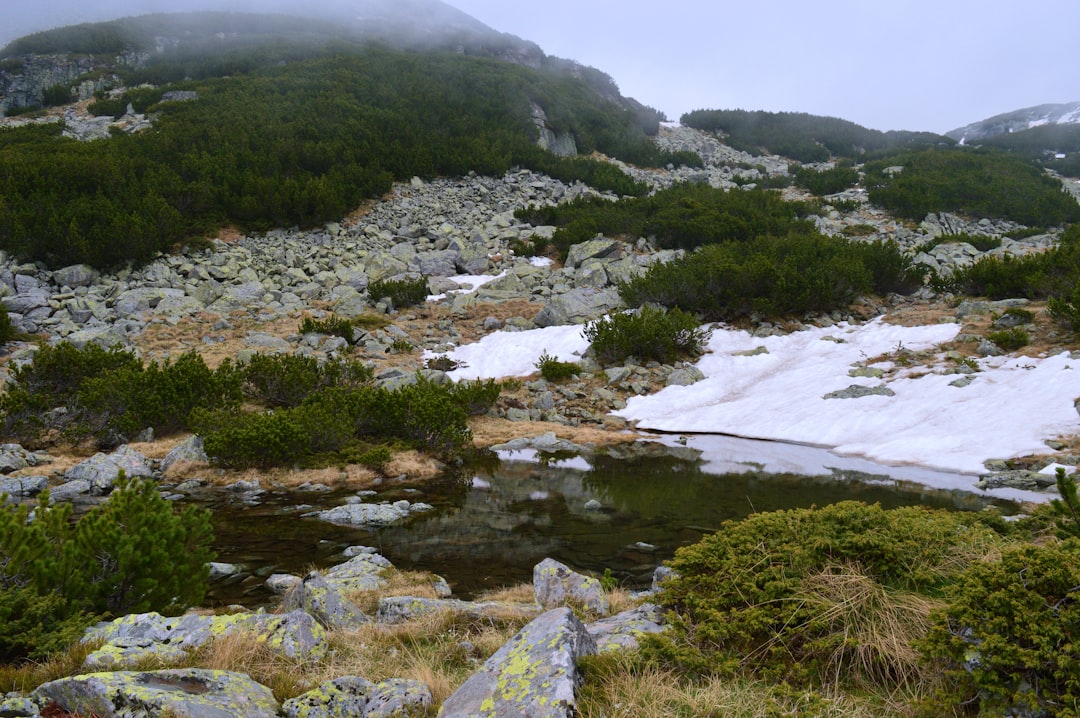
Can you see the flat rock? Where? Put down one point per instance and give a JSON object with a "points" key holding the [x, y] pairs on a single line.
{"points": [[623, 630], [182, 693], [101, 470]]}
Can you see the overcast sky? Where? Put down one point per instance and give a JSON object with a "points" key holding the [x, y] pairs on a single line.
{"points": [[886, 64]]}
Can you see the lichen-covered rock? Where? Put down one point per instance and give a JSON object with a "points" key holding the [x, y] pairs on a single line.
{"points": [[398, 609], [555, 584], [15, 705], [622, 631], [182, 693], [370, 515], [23, 485], [325, 603], [356, 696], [101, 470], [533, 676], [135, 637], [360, 573]]}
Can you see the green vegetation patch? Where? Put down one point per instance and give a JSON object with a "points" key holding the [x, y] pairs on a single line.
{"points": [[1053, 274], [400, 292], [807, 596], [650, 334], [132, 554], [554, 370], [774, 276], [683, 216], [823, 182], [800, 136], [972, 182]]}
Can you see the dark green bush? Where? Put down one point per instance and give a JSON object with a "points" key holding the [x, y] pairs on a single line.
{"points": [[43, 392], [973, 182], [476, 397], [823, 182], [332, 325], [401, 292], [1066, 308], [774, 276], [752, 598], [1009, 339], [118, 404], [287, 379], [428, 415], [252, 439], [1011, 634], [650, 333], [554, 370], [132, 554], [7, 330], [1051, 274]]}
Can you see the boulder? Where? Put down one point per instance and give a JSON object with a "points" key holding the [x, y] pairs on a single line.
{"points": [[23, 485], [598, 248], [190, 450], [555, 584], [622, 631], [106, 336], [534, 675], [399, 609], [359, 573], [370, 515], [136, 637], [578, 306], [324, 602], [76, 275], [182, 693], [101, 470], [356, 696]]}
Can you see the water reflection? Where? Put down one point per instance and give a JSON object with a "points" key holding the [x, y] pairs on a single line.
{"points": [[491, 525]]}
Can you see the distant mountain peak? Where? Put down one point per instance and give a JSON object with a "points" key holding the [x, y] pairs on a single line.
{"points": [[1019, 120]]}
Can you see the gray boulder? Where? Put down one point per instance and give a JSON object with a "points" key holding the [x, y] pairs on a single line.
{"points": [[76, 275], [190, 450], [685, 376], [360, 573], [578, 306], [324, 602], [858, 391], [370, 515], [23, 485], [598, 248], [534, 675], [183, 693], [623, 630], [399, 609], [356, 696], [555, 584], [105, 336], [101, 469]]}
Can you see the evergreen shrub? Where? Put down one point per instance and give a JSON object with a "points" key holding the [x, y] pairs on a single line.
{"points": [[1009, 339], [1011, 634], [774, 276], [810, 594], [554, 370], [401, 292], [332, 325], [132, 554], [287, 379], [650, 333], [7, 329], [823, 182]]}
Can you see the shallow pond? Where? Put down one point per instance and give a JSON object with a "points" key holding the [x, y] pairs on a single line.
{"points": [[492, 524]]}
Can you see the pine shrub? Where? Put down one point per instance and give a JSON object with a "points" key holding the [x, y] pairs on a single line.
{"points": [[400, 292], [554, 370], [287, 379], [132, 554], [650, 333], [795, 595], [1009, 339], [1011, 634]]}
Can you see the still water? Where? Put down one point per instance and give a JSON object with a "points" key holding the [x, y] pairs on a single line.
{"points": [[491, 524]]}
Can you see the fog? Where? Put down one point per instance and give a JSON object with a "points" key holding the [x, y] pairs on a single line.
{"points": [[896, 64]]}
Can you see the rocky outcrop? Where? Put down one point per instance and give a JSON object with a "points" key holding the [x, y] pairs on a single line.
{"points": [[534, 675], [183, 693]]}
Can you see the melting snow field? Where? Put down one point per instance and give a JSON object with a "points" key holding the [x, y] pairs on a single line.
{"points": [[774, 388]]}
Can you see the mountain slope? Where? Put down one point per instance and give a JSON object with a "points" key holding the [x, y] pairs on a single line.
{"points": [[1019, 121]]}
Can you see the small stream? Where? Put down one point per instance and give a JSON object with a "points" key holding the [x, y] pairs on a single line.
{"points": [[493, 523]]}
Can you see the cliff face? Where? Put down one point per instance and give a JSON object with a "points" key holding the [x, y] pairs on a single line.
{"points": [[23, 80]]}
